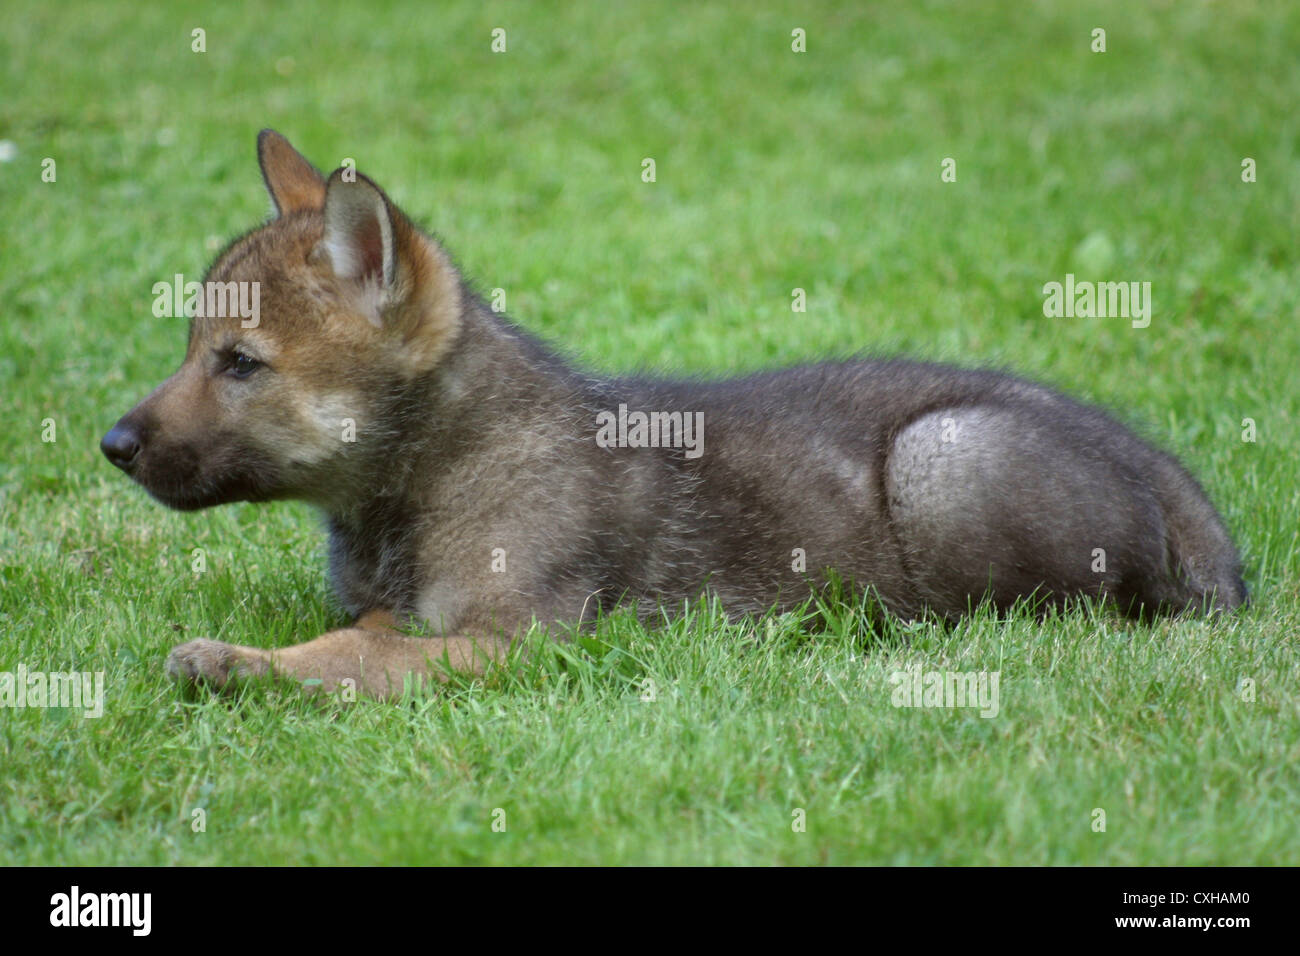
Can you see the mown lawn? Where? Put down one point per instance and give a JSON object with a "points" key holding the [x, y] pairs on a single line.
{"points": [[774, 170]]}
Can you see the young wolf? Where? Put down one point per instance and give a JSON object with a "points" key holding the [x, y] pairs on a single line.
{"points": [[473, 480]]}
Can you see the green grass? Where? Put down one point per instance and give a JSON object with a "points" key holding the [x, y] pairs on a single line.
{"points": [[774, 170]]}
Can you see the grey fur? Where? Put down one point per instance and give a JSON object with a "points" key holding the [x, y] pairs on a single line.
{"points": [[845, 460]]}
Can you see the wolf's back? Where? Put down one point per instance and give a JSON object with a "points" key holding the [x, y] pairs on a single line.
{"points": [[937, 486]]}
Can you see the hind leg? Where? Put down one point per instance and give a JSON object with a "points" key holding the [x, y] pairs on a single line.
{"points": [[992, 501]]}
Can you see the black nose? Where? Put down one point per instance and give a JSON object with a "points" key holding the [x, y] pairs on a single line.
{"points": [[121, 446]]}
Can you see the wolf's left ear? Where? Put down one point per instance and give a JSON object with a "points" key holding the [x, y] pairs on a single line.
{"points": [[402, 280], [294, 183], [362, 236]]}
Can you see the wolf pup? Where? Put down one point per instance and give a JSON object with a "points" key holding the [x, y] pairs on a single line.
{"points": [[473, 480]]}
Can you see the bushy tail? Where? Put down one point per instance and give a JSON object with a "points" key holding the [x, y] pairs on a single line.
{"points": [[1204, 567]]}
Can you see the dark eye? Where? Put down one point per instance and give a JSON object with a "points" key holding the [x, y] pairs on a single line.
{"points": [[242, 366]]}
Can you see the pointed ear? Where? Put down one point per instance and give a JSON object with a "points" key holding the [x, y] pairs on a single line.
{"points": [[398, 279], [294, 183], [361, 231]]}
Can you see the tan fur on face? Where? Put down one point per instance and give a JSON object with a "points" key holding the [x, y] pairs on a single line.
{"points": [[308, 310], [326, 348], [330, 347]]}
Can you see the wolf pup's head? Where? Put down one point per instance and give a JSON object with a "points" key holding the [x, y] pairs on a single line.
{"points": [[304, 333]]}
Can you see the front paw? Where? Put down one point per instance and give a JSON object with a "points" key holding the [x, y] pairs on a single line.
{"points": [[210, 662]]}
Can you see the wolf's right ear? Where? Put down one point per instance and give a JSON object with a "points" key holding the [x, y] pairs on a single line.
{"points": [[294, 183]]}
